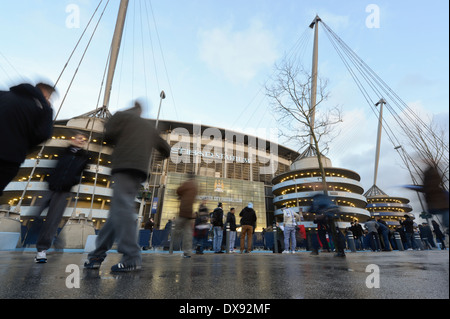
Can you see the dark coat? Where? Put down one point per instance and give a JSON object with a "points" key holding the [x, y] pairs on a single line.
{"points": [[231, 219], [68, 170], [26, 120], [408, 224], [435, 196], [248, 216], [187, 193], [133, 138], [217, 217]]}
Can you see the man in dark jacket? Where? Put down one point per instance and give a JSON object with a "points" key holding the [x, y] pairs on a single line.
{"points": [[26, 120], [231, 220], [248, 224], [408, 225], [217, 222], [133, 138], [67, 173]]}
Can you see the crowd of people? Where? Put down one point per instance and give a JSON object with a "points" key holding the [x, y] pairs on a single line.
{"points": [[376, 235], [26, 120]]}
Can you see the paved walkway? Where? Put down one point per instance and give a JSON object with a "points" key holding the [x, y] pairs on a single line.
{"points": [[407, 274]]}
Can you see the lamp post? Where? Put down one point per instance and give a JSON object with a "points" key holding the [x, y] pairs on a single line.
{"points": [[162, 96]]}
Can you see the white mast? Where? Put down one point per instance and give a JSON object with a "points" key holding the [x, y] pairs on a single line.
{"points": [[115, 47], [314, 72], [377, 153]]}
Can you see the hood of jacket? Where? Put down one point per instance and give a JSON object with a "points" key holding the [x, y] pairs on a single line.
{"points": [[31, 91]]}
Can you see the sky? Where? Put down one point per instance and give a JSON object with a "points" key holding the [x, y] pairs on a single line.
{"points": [[213, 59]]}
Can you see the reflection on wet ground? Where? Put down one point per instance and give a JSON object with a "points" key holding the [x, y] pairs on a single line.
{"points": [[409, 274]]}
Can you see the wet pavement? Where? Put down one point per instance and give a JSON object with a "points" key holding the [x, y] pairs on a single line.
{"points": [[259, 275]]}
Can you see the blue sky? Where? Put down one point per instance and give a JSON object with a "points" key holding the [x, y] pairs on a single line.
{"points": [[213, 57]]}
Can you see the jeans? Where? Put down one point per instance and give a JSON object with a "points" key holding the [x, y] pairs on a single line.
{"points": [[183, 232], [232, 239], [121, 224], [374, 241], [289, 233], [56, 203], [386, 242], [218, 237], [411, 241]]}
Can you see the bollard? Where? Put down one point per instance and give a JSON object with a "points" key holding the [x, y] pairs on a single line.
{"points": [[418, 241], [398, 241], [275, 242], [351, 241], [171, 234], [227, 238]]}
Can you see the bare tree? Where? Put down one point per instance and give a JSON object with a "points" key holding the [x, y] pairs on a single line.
{"points": [[301, 122]]}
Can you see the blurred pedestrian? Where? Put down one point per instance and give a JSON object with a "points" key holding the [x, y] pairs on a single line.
{"points": [[439, 235], [323, 205], [187, 193], [201, 228], [435, 196], [231, 221], [248, 225], [26, 120], [290, 223], [322, 230], [133, 138], [67, 173], [149, 226], [217, 223]]}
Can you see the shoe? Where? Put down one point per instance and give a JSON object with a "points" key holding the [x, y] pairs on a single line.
{"points": [[93, 263], [124, 268], [315, 253], [285, 252], [186, 256], [41, 257], [292, 251], [339, 255]]}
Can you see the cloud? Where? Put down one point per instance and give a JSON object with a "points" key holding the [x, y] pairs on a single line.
{"points": [[238, 54]]}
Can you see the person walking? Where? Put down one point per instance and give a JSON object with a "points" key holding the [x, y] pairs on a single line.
{"points": [[187, 193], [133, 138], [67, 173], [217, 223], [436, 196], [290, 223], [439, 235], [372, 232], [231, 221], [322, 230], [248, 224], [26, 120]]}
